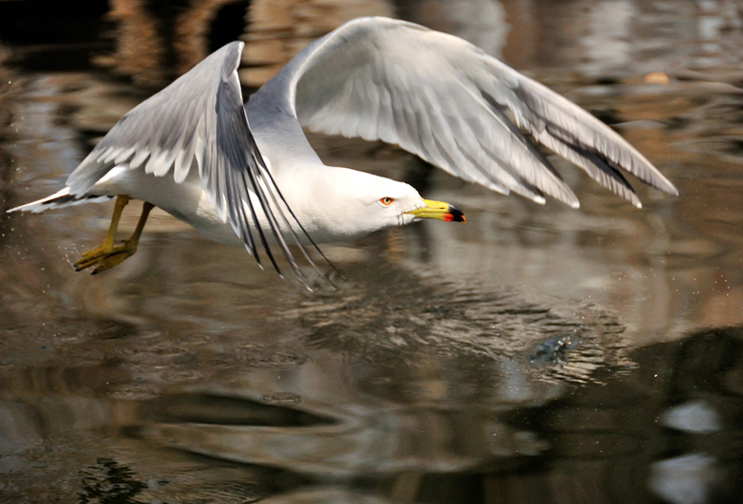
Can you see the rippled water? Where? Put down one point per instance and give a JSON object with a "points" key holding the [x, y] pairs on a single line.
{"points": [[535, 354]]}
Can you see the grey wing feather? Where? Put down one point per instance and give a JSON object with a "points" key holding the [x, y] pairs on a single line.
{"points": [[456, 107], [170, 129], [200, 117]]}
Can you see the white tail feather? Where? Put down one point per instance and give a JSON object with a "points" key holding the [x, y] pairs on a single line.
{"points": [[59, 199]]}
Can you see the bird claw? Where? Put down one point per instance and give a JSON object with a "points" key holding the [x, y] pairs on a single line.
{"points": [[105, 258]]}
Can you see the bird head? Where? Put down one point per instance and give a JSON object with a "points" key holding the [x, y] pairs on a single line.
{"points": [[361, 203]]}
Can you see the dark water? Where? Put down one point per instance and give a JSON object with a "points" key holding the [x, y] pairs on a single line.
{"points": [[535, 354]]}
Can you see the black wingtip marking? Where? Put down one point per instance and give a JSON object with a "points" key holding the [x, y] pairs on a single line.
{"points": [[261, 198], [241, 169], [304, 231]]}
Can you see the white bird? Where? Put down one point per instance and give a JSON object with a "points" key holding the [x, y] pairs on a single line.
{"points": [[232, 171]]}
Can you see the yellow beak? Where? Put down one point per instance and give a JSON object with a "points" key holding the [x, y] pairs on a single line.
{"points": [[438, 210]]}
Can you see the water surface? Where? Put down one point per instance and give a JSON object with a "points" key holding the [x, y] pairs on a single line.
{"points": [[535, 354]]}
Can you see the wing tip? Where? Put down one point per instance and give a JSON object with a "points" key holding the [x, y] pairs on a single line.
{"points": [[569, 198], [672, 190], [661, 183]]}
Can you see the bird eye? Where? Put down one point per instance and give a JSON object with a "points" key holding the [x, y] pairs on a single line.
{"points": [[386, 201]]}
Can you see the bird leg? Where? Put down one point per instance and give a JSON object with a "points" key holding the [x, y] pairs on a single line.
{"points": [[107, 255]]}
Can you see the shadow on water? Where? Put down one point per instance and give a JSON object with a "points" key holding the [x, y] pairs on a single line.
{"points": [[534, 355]]}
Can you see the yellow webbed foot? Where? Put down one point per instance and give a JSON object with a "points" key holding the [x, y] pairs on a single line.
{"points": [[107, 255], [105, 258]]}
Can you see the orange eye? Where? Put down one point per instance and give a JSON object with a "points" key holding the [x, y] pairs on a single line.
{"points": [[386, 201]]}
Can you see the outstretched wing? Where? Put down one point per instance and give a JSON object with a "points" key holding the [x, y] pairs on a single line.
{"points": [[200, 119], [456, 107]]}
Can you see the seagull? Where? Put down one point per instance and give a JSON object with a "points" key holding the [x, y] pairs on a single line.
{"points": [[245, 174]]}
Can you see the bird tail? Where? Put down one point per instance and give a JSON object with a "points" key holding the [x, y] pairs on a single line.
{"points": [[59, 199]]}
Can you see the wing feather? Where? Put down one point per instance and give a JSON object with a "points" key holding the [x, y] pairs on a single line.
{"points": [[199, 122], [453, 105]]}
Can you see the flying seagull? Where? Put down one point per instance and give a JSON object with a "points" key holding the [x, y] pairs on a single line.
{"points": [[246, 174]]}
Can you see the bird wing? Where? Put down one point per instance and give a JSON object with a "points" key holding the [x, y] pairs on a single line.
{"points": [[200, 118], [450, 103]]}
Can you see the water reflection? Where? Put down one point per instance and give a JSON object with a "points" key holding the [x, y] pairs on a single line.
{"points": [[536, 354], [156, 42], [361, 429]]}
